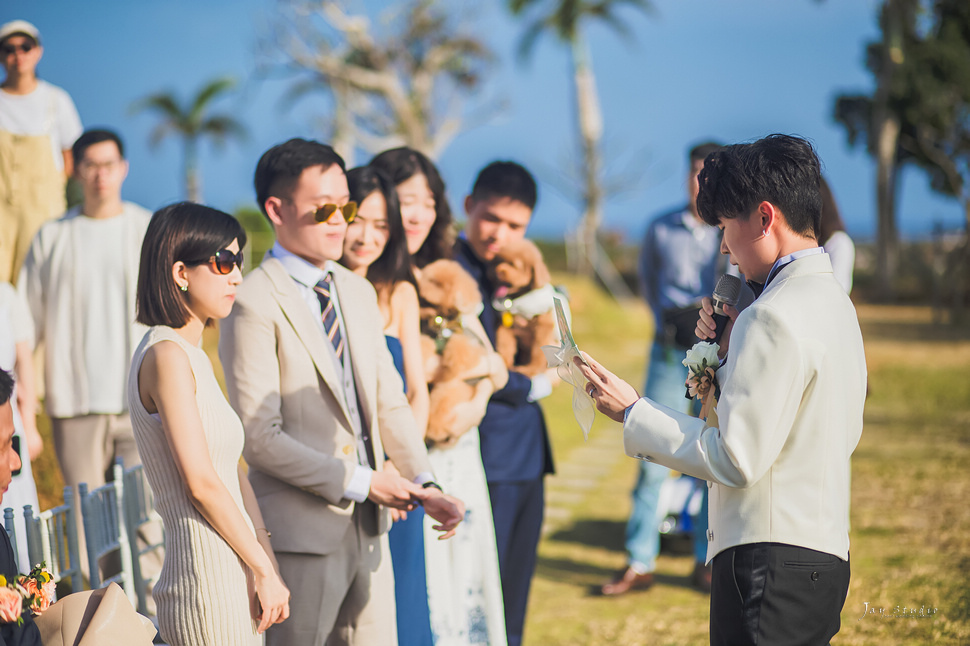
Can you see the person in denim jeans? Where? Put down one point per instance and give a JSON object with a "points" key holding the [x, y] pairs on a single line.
{"points": [[679, 264]]}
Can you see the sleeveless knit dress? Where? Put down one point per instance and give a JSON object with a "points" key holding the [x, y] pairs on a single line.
{"points": [[202, 593]]}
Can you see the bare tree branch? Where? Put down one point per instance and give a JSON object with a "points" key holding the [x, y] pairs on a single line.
{"points": [[405, 81]]}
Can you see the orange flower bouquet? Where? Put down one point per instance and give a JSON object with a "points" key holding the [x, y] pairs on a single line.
{"points": [[38, 588], [31, 592]]}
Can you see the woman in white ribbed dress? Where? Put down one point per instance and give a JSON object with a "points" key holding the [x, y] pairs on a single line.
{"points": [[219, 584]]}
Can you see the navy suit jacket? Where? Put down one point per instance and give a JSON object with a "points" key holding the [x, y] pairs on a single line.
{"points": [[11, 634], [515, 445]]}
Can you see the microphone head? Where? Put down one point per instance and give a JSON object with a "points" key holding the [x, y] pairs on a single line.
{"points": [[728, 290]]}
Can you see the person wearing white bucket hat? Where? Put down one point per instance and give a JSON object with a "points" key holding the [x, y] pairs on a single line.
{"points": [[38, 125]]}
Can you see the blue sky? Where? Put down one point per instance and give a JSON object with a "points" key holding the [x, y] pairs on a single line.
{"points": [[694, 70]]}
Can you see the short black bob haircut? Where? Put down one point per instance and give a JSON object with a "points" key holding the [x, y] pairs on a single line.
{"points": [[280, 167], [187, 232], [394, 263], [94, 136], [6, 386], [781, 169], [401, 164], [506, 179]]}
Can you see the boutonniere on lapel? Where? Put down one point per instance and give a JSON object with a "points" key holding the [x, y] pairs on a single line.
{"points": [[32, 592], [702, 364]]}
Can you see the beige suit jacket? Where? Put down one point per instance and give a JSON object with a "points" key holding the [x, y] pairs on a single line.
{"points": [[300, 444], [790, 416]]}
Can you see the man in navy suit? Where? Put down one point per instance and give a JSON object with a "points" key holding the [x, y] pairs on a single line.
{"points": [[25, 634], [515, 446]]}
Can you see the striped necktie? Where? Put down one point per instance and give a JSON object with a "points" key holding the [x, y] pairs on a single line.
{"points": [[331, 322]]}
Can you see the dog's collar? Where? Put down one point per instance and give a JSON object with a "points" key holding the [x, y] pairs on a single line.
{"points": [[529, 305], [440, 329]]}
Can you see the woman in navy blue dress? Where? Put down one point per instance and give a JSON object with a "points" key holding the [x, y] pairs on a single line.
{"points": [[375, 247]]}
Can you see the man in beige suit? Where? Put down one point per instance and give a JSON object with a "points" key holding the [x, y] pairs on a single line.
{"points": [[790, 412], [309, 373]]}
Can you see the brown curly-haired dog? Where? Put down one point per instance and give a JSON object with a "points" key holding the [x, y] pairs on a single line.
{"points": [[454, 358], [518, 270]]}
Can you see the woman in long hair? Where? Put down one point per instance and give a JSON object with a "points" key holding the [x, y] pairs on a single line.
{"points": [[375, 247], [219, 583], [464, 585]]}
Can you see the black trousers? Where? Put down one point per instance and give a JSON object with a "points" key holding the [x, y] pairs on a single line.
{"points": [[771, 593], [517, 510]]}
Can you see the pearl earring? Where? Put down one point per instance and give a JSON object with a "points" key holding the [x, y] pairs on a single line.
{"points": [[184, 288]]}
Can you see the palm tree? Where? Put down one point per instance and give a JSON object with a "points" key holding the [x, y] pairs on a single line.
{"points": [[564, 19], [192, 123]]}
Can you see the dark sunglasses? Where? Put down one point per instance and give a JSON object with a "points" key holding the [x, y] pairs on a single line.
{"points": [[349, 211], [223, 261], [15, 443], [24, 47]]}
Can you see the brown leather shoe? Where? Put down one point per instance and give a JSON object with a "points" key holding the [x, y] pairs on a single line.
{"points": [[701, 578], [626, 580]]}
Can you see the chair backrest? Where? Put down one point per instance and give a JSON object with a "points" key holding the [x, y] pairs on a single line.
{"points": [[140, 511], [105, 531], [8, 524], [52, 540]]}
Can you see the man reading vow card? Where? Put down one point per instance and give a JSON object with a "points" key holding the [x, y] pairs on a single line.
{"points": [[789, 413]]}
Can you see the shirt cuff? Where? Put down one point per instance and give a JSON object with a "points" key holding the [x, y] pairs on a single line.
{"points": [[424, 476], [359, 485], [626, 413], [541, 388]]}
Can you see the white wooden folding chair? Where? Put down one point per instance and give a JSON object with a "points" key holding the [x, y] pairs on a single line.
{"points": [[105, 531], [140, 512], [11, 528], [52, 539]]}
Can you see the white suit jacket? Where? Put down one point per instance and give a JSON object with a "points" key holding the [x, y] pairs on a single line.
{"points": [[790, 416], [300, 441]]}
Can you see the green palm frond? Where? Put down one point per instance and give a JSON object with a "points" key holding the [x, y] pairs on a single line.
{"points": [[221, 127], [207, 94], [163, 103], [159, 132], [529, 39], [520, 6], [564, 17]]}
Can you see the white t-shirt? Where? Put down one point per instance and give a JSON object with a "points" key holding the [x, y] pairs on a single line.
{"points": [[16, 326], [102, 299], [48, 110], [841, 251]]}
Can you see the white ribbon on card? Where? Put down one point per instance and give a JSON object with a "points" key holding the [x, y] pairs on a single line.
{"points": [[561, 358]]}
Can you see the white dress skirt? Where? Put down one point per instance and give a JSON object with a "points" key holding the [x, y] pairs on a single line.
{"points": [[464, 583], [16, 326]]}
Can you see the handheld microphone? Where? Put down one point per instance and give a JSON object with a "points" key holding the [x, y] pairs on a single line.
{"points": [[726, 292]]}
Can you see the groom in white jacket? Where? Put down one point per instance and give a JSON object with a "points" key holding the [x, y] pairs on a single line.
{"points": [[790, 410]]}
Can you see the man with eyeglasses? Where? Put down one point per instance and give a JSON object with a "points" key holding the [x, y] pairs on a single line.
{"points": [[38, 125], [309, 373], [79, 281]]}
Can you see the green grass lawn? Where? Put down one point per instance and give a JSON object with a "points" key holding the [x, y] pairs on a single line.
{"points": [[910, 515]]}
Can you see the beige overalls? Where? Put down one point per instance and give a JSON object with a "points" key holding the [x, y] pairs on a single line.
{"points": [[31, 193]]}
